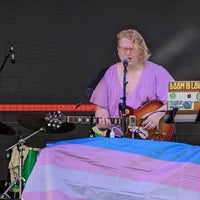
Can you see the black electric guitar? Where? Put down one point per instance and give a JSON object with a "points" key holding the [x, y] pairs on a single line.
{"points": [[164, 131]]}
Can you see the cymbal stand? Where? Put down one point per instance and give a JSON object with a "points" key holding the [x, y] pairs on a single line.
{"points": [[19, 179]]}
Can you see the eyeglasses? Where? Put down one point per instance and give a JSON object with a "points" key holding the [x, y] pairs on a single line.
{"points": [[125, 49]]}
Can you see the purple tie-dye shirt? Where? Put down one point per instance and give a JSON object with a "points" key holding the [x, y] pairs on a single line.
{"points": [[153, 85]]}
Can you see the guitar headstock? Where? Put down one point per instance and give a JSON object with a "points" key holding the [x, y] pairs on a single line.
{"points": [[55, 119]]}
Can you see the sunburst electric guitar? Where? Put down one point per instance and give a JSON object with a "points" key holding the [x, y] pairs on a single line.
{"points": [[133, 119]]}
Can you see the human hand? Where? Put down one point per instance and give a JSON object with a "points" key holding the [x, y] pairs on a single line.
{"points": [[103, 123], [150, 121]]}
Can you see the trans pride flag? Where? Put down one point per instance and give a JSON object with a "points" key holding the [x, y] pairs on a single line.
{"points": [[115, 169]]}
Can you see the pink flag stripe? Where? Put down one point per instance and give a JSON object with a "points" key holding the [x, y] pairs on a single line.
{"points": [[161, 150]]}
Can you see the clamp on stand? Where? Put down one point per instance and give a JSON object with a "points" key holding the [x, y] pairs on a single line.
{"points": [[19, 179]]}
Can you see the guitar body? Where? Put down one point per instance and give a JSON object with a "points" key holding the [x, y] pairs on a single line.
{"points": [[164, 130]]}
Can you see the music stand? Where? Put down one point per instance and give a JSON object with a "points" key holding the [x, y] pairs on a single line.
{"points": [[19, 179]]}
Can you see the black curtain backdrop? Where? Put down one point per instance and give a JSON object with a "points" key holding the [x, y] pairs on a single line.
{"points": [[60, 46]]}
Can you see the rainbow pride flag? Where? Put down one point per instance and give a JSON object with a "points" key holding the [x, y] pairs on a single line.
{"points": [[115, 169]]}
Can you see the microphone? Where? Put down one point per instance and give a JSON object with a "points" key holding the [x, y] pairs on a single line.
{"points": [[125, 62], [12, 53]]}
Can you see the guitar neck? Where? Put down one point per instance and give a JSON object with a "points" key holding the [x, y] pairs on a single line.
{"points": [[90, 120]]}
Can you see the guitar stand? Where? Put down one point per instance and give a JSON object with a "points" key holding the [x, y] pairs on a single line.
{"points": [[19, 179]]}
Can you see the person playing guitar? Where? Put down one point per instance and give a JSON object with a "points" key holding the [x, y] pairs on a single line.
{"points": [[147, 82]]}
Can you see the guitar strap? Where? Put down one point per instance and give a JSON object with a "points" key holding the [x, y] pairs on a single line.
{"points": [[95, 82]]}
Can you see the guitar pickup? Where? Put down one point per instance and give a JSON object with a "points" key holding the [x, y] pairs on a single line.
{"points": [[132, 121]]}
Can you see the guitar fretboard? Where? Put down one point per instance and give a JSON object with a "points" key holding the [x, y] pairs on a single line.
{"points": [[94, 120], [81, 119]]}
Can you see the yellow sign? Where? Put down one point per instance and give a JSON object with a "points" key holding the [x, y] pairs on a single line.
{"points": [[184, 86]]}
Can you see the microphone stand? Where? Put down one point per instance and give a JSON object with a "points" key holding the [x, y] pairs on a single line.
{"points": [[6, 58], [4, 62], [123, 104], [19, 179]]}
